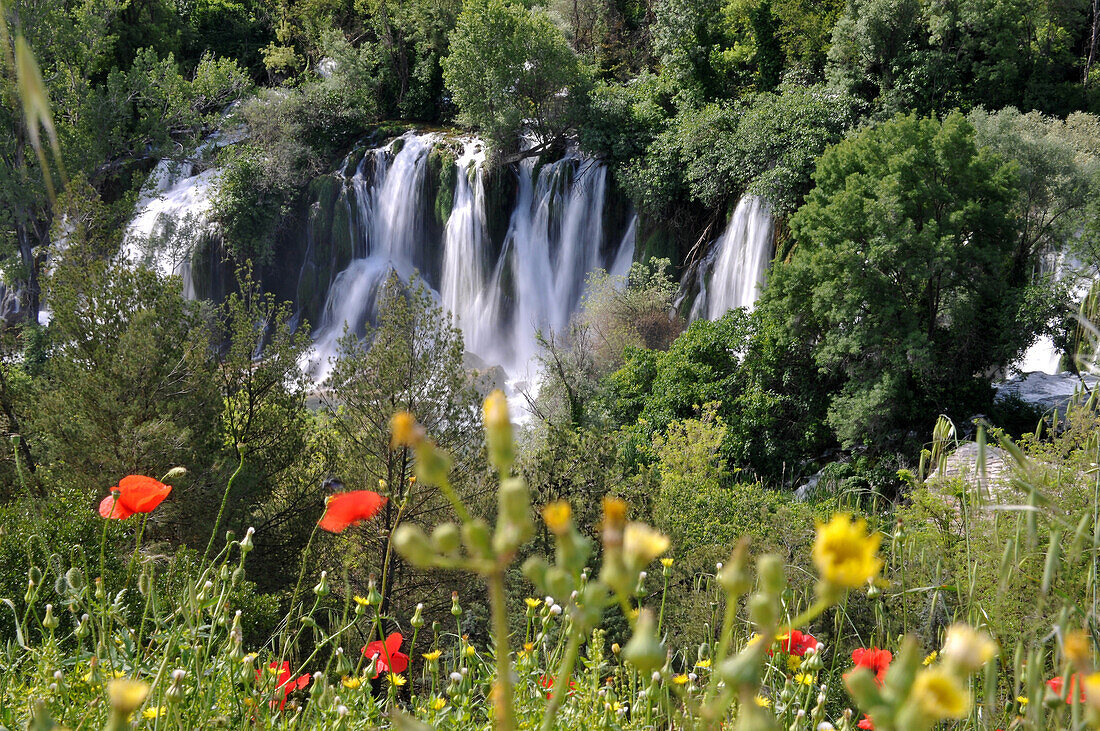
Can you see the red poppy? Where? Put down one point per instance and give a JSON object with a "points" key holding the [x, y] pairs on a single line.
{"points": [[874, 659], [797, 643], [286, 684], [547, 682], [390, 659], [136, 494], [866, 723], [349, 508], [1058, 686]]}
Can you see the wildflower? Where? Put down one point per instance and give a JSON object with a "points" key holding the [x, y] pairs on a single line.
{"points": [[387, 655], [614, 520], [556, 516], [136, 494], [667, 562], [703, 663], [643, 543], [876, 660], [432, 656], [1023, 700], [938, 694], [438, 704], [154, 712], [285, 682], [844, 553], [793, 663], [762, 701], [351, 682], [930, 658], [126, 695], [680, 679], [397, 680], [547, 682], [349, 508], [1092, 690], [1058, 686], [532, 603], [361, 600], [1077, 649], [968, 648], [796, 643], [805, 679], [866, 722], [404, 430]]}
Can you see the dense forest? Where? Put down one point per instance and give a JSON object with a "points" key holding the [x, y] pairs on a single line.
{"points": [[435, 354]]}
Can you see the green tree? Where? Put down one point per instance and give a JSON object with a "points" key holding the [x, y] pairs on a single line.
{"points": [[410, 360], [910, 281], [510, 67]]}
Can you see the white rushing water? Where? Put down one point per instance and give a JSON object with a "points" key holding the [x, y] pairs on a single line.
{"points": [[739, 261], [172, 213], [500, 300]]}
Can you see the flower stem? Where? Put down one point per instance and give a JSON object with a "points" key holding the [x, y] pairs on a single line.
{"points": [[502, 686], [221, 510], [561, 681]]}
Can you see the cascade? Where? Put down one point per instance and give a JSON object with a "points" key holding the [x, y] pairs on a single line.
{"points": [[738, 262], [500, 293]]}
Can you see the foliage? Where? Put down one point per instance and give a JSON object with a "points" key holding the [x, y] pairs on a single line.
{"points": [[510, 68], [910, 278]]}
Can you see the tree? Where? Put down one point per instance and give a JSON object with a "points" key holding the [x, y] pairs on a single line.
{"points": [[909, 281], [511, 68], [410, 360]]}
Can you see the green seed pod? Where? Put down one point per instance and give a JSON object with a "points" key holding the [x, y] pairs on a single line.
{"points": [[456, 610], [49, 621], [498, 432], [644, 651], [446, 539], [322, 586], [413, 545], [475, 534], [74, 578], [773, 578], [433, 465], [1050, 569]]}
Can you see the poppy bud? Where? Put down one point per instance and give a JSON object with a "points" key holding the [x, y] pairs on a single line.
{"points": [[498, 432], [237, 577], [743, 668], [174, 473], [763, 610], [446, 539], [514, 517], [410, 542], [644, 651], [417, 620], [74, 577]]}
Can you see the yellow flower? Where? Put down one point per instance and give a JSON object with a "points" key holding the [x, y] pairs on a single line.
{"points": [[532, 602], [432, 656], [351, 682], [930, 658], [1077, 649], [680, 679], [793, 663], [805, 679], [844, 553], [154, 712], [556, 516], [1023, 700], [703, 663], [1092, 690], [528, 646], [438, 704], [967, 648], [127, 695], [361, 600], [405, 431], [643, 543], [666, 562], [763, 702], [495, 410], [397, 680], [938, 694]]}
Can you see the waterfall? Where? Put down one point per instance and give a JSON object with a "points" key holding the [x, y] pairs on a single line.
{"points": [[738, 262], [500, 293]]}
